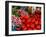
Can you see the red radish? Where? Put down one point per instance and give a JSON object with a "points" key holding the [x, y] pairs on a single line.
{"points": [[17, 29]]}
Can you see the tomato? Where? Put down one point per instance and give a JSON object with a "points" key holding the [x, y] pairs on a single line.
{"points": [[36, 22], [29, 28], [32, 26], [33, 20], [28, 25], [24, 27], [38, 27]]}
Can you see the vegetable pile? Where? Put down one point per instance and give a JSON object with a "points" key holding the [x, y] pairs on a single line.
{"points": [[26, 20]]}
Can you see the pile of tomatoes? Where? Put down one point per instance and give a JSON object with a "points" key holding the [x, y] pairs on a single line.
{"points": [[31, 23]]}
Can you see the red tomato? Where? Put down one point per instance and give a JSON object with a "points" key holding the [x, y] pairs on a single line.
{"points": [[29, 28], [38, 27], [36, 22], [33, 20], [23, 26], [28, 25], [32, 26], [39, 22], [26, 17]]}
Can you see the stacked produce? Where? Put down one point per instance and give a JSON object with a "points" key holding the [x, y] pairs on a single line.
{"points": [[26, 20]]}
